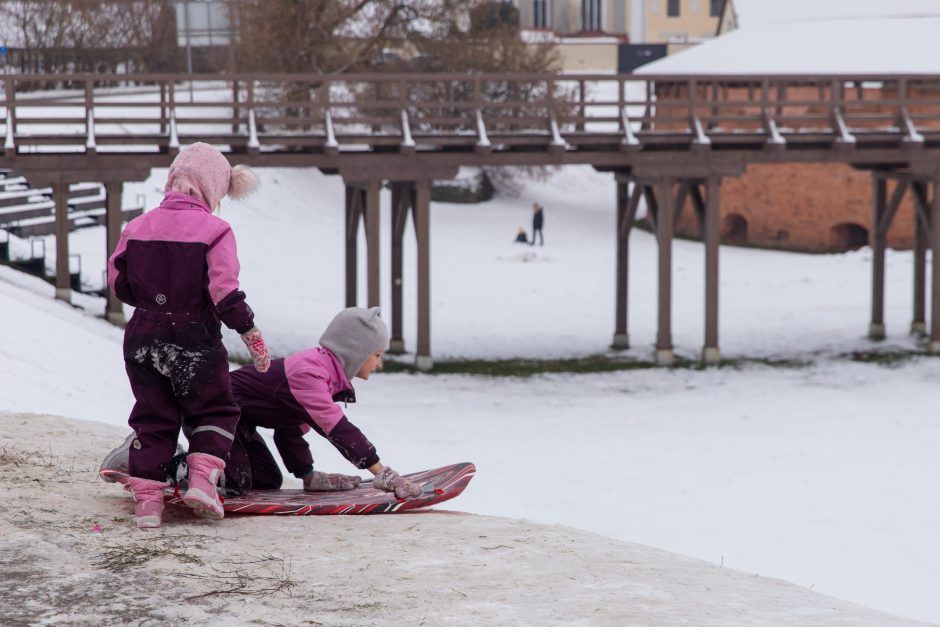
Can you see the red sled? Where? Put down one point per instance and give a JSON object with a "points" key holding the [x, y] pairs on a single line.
{"points": [[437, 486]]}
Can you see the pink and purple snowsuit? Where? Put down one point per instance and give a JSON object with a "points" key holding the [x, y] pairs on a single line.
{"points": [[177, 265], [295, 395]]}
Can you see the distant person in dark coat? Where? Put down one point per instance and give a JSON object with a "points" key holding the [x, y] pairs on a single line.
{"points": [[538, 219], [521, 237]]}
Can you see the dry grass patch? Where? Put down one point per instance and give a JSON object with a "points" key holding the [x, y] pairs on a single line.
{"points": [[10, 455]]}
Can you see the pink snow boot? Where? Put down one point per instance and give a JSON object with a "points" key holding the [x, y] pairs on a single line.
{"points": [[148, 501], [204, 473]]}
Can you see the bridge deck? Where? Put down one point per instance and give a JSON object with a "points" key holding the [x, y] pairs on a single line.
{"points": [[605, 120]]}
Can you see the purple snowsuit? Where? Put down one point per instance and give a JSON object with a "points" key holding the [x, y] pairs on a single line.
{"points": [[177, 265], [297, 394]]}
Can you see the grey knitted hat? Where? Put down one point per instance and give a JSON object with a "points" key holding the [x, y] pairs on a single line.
{"points": [[353, 335]]}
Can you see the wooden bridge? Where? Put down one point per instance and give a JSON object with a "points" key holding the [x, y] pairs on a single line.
{"points": [[668, 139]]}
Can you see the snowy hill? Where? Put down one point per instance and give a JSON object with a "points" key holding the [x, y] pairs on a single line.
{"points": [[71, 555], [819, 474]]}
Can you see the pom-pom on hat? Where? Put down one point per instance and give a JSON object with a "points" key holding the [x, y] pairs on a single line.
{"points": [[203, 172], [353, 335]]}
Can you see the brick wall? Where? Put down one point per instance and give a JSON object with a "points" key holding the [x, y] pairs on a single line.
{"points": [[801, 207]]}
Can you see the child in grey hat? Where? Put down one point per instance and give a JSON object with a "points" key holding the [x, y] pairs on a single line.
{"points": [[301, 392]]}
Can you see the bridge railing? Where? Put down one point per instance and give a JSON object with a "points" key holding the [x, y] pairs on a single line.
{"points": [[463, 111]]}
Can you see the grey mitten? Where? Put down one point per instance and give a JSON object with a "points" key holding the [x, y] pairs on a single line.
{"points": [[327, 481], [390, 481]]}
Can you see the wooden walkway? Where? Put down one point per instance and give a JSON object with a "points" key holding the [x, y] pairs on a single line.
{"points": [[667, 139]]}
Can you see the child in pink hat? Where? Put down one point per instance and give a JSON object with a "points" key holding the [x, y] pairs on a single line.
{"points": [[177, 266]]}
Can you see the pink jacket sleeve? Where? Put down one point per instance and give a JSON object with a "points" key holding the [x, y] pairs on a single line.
{"points": [[229, 301], [313, 394], [117, 271]]}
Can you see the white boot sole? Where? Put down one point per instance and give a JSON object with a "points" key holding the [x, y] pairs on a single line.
{"points": [[149, 522], [203, 505]]}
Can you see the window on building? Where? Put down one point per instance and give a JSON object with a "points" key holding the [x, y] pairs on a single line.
{"points": [[591, 15], [672, 8], [716, 8], [540, 16]]}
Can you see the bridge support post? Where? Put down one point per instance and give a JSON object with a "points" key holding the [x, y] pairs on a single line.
{"points": [[876, 328], [353, 217], [627, 202], [711, 236], [373, 257], [933, 345], [664, 232], [422, 219], [63, 279], [919, 317], [403, 200], [114, 309], [362, 204]]}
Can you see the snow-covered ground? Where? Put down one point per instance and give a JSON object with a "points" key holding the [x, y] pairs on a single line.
{"points": [[822, 475], [71, 555]]}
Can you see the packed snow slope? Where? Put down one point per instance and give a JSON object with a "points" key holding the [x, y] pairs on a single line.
{"points": [[71, 555]]}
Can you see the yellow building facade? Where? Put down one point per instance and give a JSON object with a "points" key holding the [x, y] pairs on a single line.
{"points": [[638, 21], [588, 33]]}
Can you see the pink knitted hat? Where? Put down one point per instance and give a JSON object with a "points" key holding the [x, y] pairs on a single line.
{"points": [[204, 173]]}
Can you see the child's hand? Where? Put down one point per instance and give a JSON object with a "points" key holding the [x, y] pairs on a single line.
{"points": [[326, 481], [390, 481], [258, 349]]}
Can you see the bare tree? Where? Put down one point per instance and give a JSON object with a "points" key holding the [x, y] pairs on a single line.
{"points": [[106, 36], [478, 36], [320, 36], [339, 36]]}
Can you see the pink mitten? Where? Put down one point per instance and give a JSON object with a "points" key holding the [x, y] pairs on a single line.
{"points": [[390, 481], [327, 481], [258, 349]]}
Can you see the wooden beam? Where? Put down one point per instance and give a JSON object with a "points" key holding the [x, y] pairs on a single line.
{"points": [[681, 198], [114, 308], [698, 203], [402, 201], [353, 216], [422, 218], [933, 346], [922, 205], [652, 206], [664, 235], [711, 234], [628, 199], [891, 208], [63, 278], [373, 252], [876, 328], [919, 317]]}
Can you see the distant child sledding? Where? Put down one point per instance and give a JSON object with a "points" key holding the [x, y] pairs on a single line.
{"points": [[177, 265]]}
